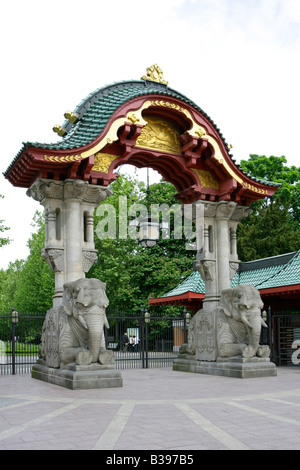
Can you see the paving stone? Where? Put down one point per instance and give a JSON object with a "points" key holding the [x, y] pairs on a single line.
{"points": [[156, 409]]}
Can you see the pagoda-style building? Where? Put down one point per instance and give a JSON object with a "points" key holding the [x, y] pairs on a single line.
{"points": [[144, 123]]}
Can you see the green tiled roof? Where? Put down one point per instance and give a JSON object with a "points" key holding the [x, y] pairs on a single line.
{"points": [[276, 271], [193, 283], [97, 108]]}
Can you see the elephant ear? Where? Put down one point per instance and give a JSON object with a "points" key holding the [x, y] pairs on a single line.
{"points": [[67, 299], [226, 301]]}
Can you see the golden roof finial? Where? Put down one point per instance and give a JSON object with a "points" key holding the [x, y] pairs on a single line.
{"points": [[59, 130], [155, 74]]}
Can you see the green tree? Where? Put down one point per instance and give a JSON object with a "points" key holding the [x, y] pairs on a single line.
{"points": [[274, 226], [8, 284], [3, 228], [35, 284], [134, 274]]}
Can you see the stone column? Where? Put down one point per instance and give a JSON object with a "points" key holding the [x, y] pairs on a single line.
{"points": [[69, 240], [217, 260]]}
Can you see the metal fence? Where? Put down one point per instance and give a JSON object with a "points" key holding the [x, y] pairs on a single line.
{"points": [[285, 339], [20, 337], [154, 341]]}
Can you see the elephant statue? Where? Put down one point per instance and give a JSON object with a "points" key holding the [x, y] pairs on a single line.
{"points": [[81, 323], [239, 323]]}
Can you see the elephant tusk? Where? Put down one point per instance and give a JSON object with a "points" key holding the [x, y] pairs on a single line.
{"points": [[82, 321], [263, 323], [245, 321]]}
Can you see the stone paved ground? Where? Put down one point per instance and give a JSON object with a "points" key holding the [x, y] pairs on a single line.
{"points": [[156, 409]]}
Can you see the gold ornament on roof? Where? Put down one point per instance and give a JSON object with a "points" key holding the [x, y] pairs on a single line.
{"points": [[133, 118], [206, 179], [103, 162], [155, 74], [159, 134], [59, 130], [72, 117]]}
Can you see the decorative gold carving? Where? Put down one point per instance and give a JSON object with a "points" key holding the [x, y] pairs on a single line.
{"points": [[253, 188], [206, 179], [195, 130], [201, 132], [112, 134], [103, 162], [133, 118], [62, 159], [59, 130], [161, 135], [72, 117], [155, 74]]}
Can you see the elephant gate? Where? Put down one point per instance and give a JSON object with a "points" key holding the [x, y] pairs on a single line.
{"points": [[144, 123]]}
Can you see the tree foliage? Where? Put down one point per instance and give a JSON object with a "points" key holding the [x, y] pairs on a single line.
{"points": [[3, 240], [132, 273], [29, 285], [274, 226]]}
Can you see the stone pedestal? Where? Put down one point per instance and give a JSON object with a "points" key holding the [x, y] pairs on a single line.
{"points": [[77, 377], [237, 367]]}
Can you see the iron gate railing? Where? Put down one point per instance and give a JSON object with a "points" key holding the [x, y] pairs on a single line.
{"points": [[156, 343], [153, 344], [285, 328], [20, 337]]}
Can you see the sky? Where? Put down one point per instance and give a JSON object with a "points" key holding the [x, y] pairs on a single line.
{"points": [[238, 60]]}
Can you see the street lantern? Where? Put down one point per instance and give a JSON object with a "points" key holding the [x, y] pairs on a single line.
{"points": [[14, 320], [147, 316], [14, 315], [149, 232], [149, 227], [186, 321]]}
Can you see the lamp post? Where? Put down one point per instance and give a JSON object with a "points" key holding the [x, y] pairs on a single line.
{"points": [[149, 227], [186, 321], [14, 320], [145, 321], [265, 339]]}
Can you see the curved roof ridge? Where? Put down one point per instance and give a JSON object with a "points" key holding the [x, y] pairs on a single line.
{"points": [[96, 109]]}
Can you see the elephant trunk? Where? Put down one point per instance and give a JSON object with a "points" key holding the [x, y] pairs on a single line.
{"points": [[254, 331], [95, 325]]}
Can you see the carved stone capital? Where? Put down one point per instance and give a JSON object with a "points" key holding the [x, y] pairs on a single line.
{"points": [[233, 267], [45, 189], [240, 213], [225, 209], [54, 258], [74, 189], [207, 269], [78, 189], [68, 189], [89, 257]]}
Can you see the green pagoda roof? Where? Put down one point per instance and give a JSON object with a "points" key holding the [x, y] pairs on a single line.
{"points": [[276, 271], [93, 113], [193, 283]]}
